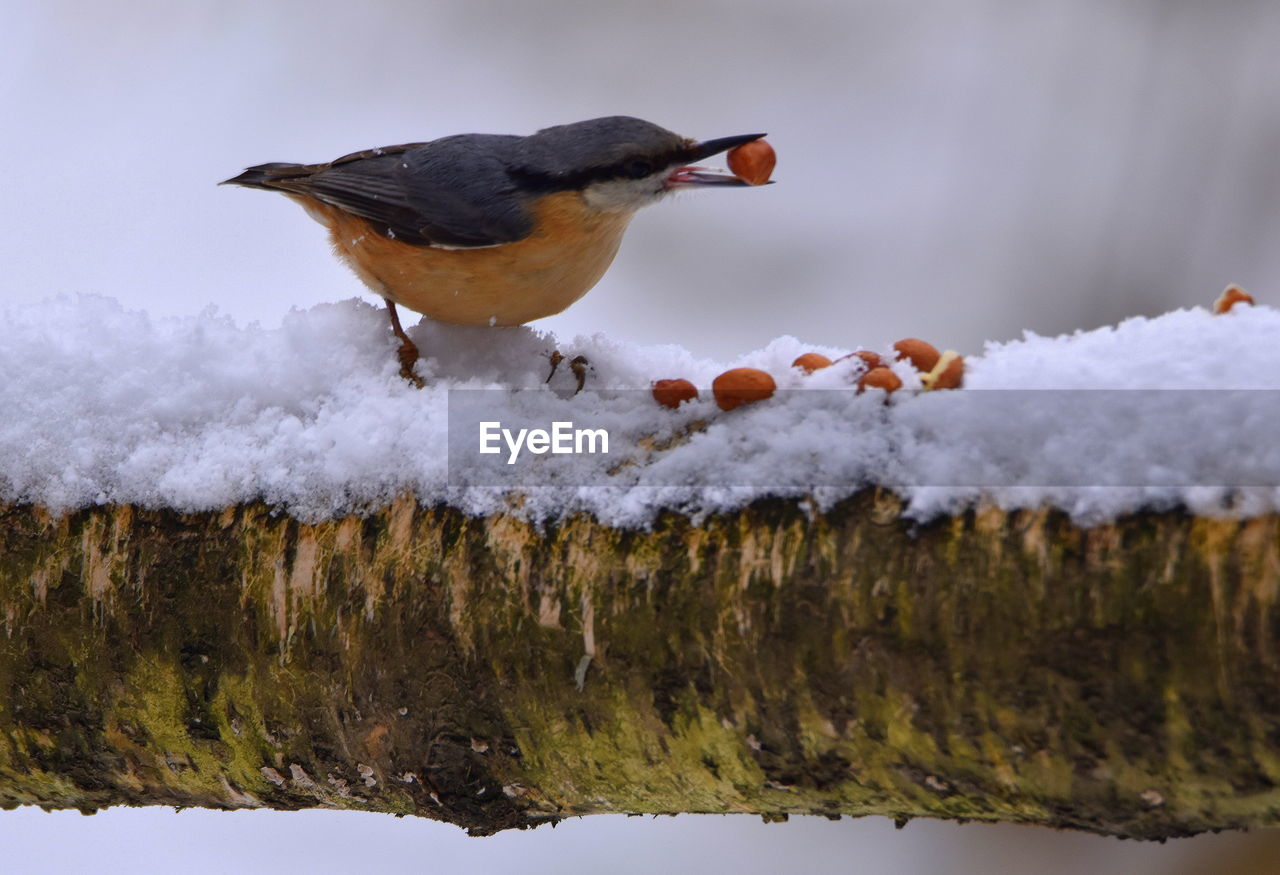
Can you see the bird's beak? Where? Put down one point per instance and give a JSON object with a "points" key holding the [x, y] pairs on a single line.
{"points": [[688, 177], [707, 148]]}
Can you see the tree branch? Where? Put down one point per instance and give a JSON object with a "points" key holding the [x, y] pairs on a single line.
{"points": [[993, 666]]}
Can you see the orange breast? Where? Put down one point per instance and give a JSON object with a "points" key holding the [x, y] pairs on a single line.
{"points": [[510, 284]]}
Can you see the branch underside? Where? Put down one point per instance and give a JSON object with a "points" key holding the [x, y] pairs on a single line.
{"points": [[993, 666]]}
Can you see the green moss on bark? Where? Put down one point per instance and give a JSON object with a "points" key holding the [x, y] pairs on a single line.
{"points": [[992, 666]]}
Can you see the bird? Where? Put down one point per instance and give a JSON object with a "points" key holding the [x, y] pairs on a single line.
{"points": [[493, 229]]}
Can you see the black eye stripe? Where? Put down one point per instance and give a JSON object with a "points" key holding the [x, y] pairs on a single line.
{"points": [[534, 180], [637, 169]]}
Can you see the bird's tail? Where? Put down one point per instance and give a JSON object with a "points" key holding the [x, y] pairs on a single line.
{"points": [[266, 175]]}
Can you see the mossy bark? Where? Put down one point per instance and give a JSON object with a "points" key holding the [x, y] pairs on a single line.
{"points": [[994, 666]]}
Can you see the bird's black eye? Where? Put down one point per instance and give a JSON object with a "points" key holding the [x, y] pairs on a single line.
{"points": [[637, 169]]}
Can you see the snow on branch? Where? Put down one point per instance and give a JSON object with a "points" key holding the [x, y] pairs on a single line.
{"points": [[108, 406]]}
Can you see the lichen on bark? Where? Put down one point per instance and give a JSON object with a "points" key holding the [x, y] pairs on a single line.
{"points": [[994, 666]]}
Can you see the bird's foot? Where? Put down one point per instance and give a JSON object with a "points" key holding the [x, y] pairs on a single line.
{"points": [[555, 358], [408, 355], [578, 364], [408, 351]]}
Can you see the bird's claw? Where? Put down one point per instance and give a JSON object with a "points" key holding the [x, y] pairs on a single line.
{"points": [[408, 355], [578, 364], [556, 358]]}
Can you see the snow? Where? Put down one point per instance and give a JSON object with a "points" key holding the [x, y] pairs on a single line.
{"points": [[106, 405]]}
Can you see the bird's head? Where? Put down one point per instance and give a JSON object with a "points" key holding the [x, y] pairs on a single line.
{"points": [[623, 163]]}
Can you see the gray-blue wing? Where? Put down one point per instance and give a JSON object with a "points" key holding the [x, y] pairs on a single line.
{"points": [[451, 192]]}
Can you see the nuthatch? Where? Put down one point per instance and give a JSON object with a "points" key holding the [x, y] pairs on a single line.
{"points": [[487, 229]]}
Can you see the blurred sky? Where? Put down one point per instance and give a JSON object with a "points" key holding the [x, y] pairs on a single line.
{"points": [[953, 169], [958, 170]]}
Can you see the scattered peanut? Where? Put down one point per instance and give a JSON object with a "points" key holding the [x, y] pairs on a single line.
{"points": [[869, 359], [741, 386], [673, 393], [948, 373], [880, 378], [923, 355], [1231, 296], [811, 361]]}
